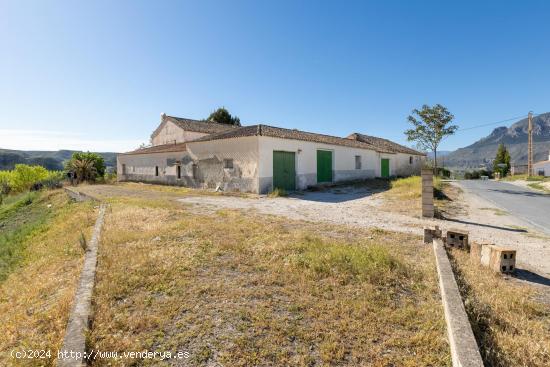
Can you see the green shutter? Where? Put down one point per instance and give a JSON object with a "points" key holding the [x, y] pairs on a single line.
{"points": [[324, 166], [284, 170], [385, 167]]}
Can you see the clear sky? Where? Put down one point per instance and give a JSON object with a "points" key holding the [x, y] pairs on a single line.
{"points": [[97, 74]]}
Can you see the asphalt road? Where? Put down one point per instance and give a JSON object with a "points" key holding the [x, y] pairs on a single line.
{"points": [[529, 205]]}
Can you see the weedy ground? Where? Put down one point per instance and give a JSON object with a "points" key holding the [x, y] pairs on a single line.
{"points": [[242, 289], [403, 195], [512, 328], [40, 260]]}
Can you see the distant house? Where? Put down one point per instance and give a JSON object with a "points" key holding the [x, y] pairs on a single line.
{"points": [[542, 168], [259, 158], [518, 169]]}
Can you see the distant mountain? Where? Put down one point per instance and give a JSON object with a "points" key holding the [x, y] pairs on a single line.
{"points": [[440, 153], [483, 151], [52, 160]]}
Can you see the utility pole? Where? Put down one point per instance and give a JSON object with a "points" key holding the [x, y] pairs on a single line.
{"points": [[530, 145]]}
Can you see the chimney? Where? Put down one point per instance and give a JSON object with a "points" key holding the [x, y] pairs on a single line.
{"points": [[162, 117]]}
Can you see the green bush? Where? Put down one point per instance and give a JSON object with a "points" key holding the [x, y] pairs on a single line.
{"points": [[86, 166], [23, 177], [29, 178], [54, 180]]}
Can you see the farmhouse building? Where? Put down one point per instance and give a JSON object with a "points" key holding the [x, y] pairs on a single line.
{"points": [[259, 158], [542, 168]]}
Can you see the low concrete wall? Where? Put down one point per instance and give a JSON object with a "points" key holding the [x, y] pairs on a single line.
{"points": [[464, 350], [73, 352], [77, 195]]}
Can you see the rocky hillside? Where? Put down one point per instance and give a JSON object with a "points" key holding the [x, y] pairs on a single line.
{"points": [[514, 137]]}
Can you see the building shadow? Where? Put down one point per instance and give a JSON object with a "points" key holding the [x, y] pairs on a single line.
{"points": [[520, 193], [529, 276], [485, 225], [339, 193]]}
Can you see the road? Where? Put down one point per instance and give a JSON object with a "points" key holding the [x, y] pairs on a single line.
{"points": [[529, 205]]}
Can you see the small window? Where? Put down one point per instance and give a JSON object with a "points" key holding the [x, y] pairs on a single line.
{"points": [[411, 159], [357, 162], [156, 170], [228, 163], [195, 171], [123, 169], [178, 171]]}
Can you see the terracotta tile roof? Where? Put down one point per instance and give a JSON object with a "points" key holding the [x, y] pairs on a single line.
{"points": [[179, 147], [278, 132], [384, 144], [199, 126]]}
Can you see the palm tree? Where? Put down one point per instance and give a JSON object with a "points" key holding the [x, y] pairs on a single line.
{"points": [[83, 169]]}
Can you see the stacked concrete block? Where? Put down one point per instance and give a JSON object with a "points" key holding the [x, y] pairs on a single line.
{"points": [[427, 193], [498, 259], [457, 238]]}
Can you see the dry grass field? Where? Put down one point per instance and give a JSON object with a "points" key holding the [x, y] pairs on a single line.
{"points": [[40, 270], [241, 289], [511, 326]]}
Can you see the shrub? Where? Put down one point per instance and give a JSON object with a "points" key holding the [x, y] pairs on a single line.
{"points": [[54, 180], [86, 165], [278, 192], [5, 182], [24, 177]]}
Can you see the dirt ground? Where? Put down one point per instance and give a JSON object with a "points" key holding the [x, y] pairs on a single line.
{"points": [[365, 207], [525, 183]]}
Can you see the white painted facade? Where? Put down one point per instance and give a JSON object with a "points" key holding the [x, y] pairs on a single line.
{"points": [[246, 163], [542, 168], [343, 161], [171, 133]]}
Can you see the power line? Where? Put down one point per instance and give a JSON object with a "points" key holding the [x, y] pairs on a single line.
{"points": [[493, 123]]}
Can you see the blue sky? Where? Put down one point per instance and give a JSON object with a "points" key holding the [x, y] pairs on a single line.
{"points": [[96, 75]]}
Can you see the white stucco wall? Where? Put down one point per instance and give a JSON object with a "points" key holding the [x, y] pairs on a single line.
{"points": [[244, 153], [170, 132], [253, 164], [306, 161], [208, 159], [343, 162], [542, 166], [141, 167]]}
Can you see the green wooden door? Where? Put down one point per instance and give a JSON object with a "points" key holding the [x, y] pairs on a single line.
{"points": [[324, 166], [385, 167], [284, 170]]}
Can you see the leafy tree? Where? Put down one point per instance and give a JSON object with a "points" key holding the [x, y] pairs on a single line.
{"points": [[86, 166], [430, 125], [222, 116], [23, 177], [83, 169], [502, 158]]}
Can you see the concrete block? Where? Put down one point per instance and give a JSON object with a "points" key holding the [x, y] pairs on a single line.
{"points": [[475, 251], [499, 259], [457, 238], [427, 193]]}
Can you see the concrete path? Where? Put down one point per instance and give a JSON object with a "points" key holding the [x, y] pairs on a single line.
{"points": [[526, 204]]}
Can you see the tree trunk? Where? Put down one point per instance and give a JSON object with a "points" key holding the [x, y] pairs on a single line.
{"points": [[435, 162]]}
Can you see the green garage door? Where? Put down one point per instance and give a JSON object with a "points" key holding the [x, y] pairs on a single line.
{"points": [[385, 167], [324, 166], [284, 170]]}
